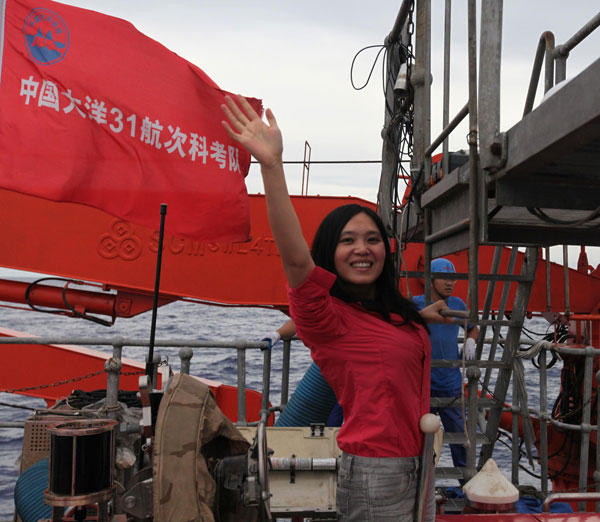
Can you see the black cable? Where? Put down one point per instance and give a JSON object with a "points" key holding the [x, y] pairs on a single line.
{"points": [[32, 285], [382, 48], [493, 212], [75, 313], [57, 311], [540, 214], [522, 453]]}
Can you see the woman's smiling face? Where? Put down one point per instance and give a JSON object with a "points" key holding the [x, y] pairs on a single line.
{"points": [[360, 255]]}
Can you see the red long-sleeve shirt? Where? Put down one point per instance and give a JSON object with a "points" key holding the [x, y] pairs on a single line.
{"points": [[379, 370]]}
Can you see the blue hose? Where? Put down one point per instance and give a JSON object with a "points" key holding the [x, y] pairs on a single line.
{"points": [[312, 401], [29, 493]]}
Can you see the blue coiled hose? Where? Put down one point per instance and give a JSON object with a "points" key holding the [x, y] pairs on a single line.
{"points": [[312, 401], [29, 493]]}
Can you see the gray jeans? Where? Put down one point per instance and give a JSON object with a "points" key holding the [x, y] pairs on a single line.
{"points": [[379, 489]]}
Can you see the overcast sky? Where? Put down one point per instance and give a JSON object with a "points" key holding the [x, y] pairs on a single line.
{"points": [[296, 56]]}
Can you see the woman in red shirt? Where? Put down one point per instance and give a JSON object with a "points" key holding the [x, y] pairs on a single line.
{"points": [[370, 343]]}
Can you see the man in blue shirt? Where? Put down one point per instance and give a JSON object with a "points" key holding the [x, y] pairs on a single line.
{"points": [[447, 382]]}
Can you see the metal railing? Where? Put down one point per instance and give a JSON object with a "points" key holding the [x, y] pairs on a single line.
{"points": [[186, 352], [472, 403]]}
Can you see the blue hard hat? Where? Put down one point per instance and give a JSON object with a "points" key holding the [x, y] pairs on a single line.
{"points": [[442, 265]]}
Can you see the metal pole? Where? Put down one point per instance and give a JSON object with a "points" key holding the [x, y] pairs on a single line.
{"points": [[155, 365], [448, 128], [561, 68], [546, 42], [113, 371], [473, 166], [543, 421], [566, 280], [450, 230], [266, 379], [396, 31], [241, 382], [185, 355], [516, 446], [548, 286], [446, 108], [285, 372], [585, 423], [473, 374], [549, 64], [428, 256], [429, 425], [161, 232], [568, 497], [489, 100], [580, 35], [561, 53], [421, 82]]}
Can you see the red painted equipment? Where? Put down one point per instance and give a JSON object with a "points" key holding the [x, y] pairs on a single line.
{"points": [[78, 242]]}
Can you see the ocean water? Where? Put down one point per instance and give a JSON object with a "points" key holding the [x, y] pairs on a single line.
{"points": [[182, 320]]}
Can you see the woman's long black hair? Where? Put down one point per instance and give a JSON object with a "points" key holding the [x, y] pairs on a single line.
{"points": [[388, 299]]}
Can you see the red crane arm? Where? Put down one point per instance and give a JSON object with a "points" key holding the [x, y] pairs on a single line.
{"points": [[76, 302]]}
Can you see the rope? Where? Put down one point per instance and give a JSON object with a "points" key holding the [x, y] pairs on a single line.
{"points": [[535, 349]]}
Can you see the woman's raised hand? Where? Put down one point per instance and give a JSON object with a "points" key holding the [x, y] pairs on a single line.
{"points": [[246, 127], [263, 141]]}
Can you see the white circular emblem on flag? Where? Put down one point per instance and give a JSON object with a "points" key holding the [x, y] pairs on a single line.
{"points": [[46, 36]]}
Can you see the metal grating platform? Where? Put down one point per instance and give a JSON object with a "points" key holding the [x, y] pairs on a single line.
{"points": [[553, 153], [551, 161]]}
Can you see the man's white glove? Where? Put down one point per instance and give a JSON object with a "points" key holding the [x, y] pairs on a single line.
{"points": [[470, 347], [272, 339]]}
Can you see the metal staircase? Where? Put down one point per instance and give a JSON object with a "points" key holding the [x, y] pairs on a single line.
{"points": [[521, 188]]}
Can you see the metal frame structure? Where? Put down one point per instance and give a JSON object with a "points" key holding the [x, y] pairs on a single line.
{"points": [[486, 202]]}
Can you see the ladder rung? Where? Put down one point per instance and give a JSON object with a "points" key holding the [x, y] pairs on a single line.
{"points": [[457, 363], [496, 322], [461, 438], [482, 277], [444, 402], [448, 472]]}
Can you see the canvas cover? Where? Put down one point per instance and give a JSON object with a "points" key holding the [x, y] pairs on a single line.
{"points": [[190, 428]]}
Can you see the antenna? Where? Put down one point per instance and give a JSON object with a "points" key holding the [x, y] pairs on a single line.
{"points": [[149, 360]]}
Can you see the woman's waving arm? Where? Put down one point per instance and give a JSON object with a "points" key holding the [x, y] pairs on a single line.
{"points": [[264, 142]]}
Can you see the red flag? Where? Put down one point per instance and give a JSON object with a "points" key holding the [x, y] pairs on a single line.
{"points": [[94, 112]]}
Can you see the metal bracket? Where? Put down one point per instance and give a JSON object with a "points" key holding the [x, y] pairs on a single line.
{"points": [[293, 469], [137, 501], [317, 430], [499, 150]]}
